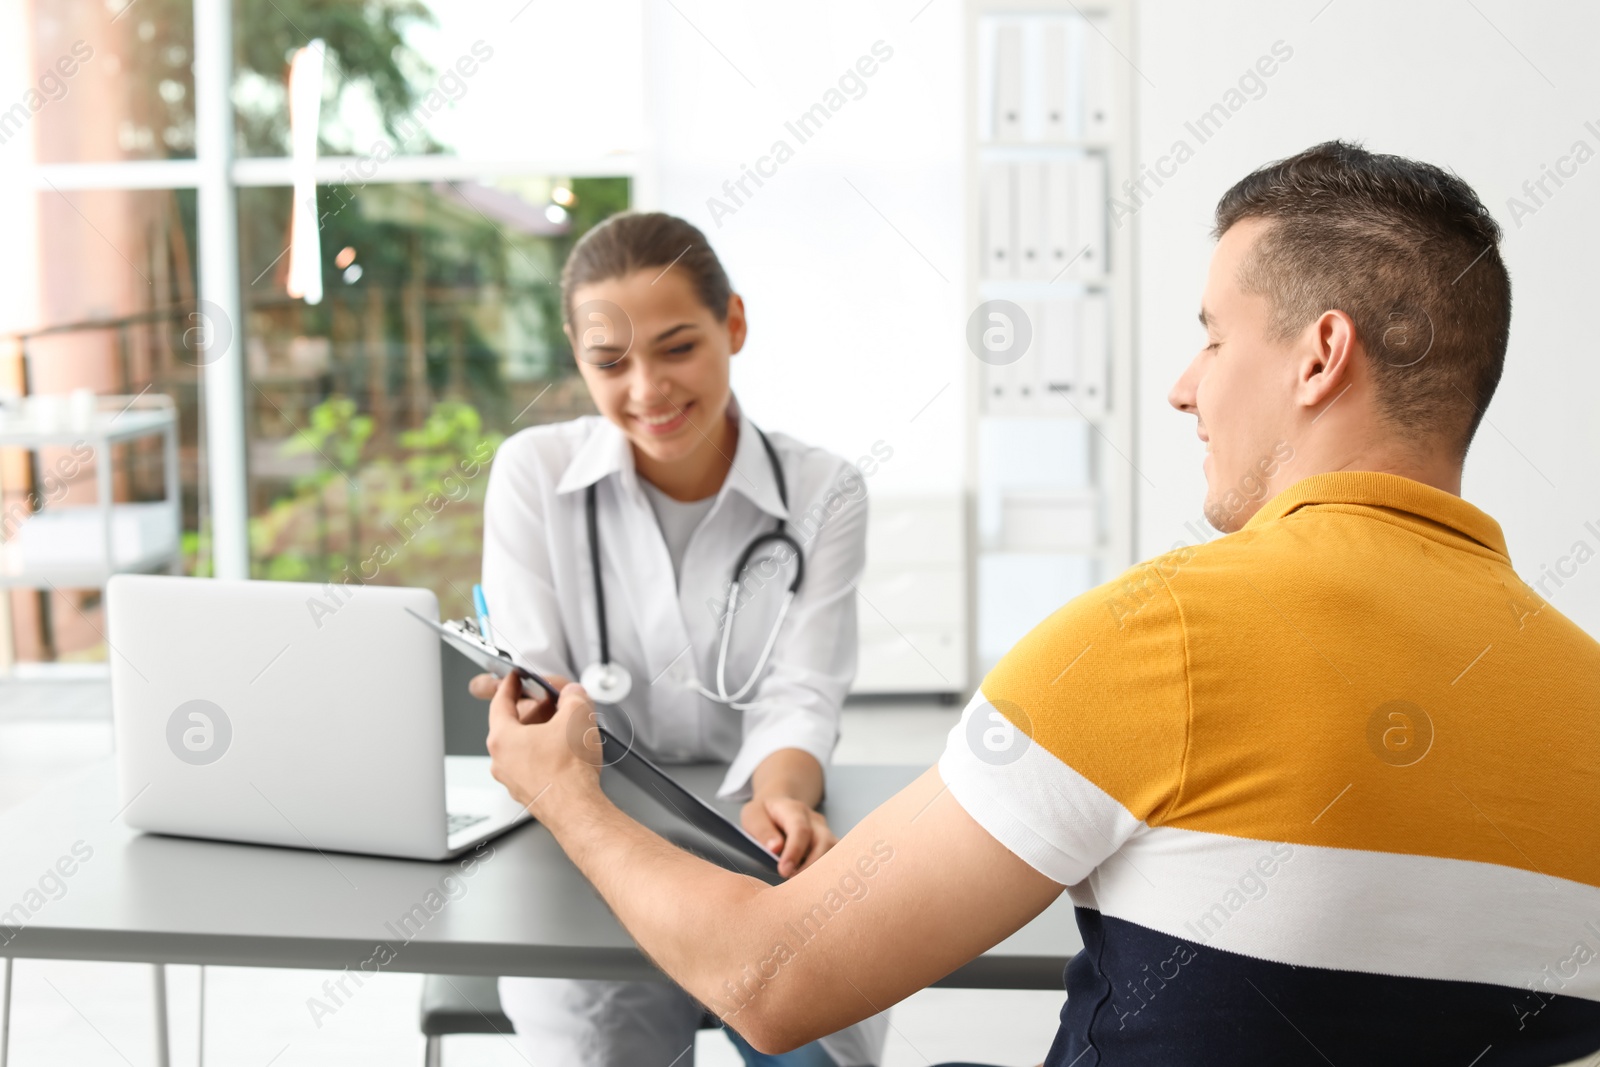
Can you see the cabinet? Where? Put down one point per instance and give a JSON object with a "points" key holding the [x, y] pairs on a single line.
{"points": [[1050, 292], [912, 601]]}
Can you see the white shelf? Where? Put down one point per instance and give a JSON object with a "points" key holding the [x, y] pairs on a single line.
{"points": [[20, 431], [1066, 526], [80, 546], [66, 546]]}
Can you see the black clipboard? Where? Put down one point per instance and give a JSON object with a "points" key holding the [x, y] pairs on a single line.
{"points": [[622, 755], [496, 661]]}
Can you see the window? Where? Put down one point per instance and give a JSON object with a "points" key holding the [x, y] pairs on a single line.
{"points": [[453, 172]]}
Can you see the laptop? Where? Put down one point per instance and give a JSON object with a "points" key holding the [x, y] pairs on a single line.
{"points": [[289, 713]]}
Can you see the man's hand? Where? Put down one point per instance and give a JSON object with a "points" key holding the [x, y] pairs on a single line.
{"points": [[530, 756], [782, 822], [529, 709]]}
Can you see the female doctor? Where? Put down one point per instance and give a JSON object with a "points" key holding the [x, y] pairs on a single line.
{"points": [[610, 543]]}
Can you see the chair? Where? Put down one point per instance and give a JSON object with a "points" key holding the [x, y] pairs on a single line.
{"points": [[458, 1004], [455, 1004]]}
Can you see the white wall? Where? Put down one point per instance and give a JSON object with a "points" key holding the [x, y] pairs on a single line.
{"points": [[1436, 80], [853, 329]]}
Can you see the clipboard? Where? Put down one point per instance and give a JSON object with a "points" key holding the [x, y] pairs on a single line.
{"points": [[462, 635]]}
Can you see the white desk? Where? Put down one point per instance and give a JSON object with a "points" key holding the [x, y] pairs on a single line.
{"points": [[525, 911]]}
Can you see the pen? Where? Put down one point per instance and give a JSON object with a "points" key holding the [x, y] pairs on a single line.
{"points": [[481, 606]]}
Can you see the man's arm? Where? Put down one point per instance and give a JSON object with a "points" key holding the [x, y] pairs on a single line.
{"points": [[916, 889]]}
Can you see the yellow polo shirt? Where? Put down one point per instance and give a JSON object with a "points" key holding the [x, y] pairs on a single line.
{"points": [[1340, 769]]}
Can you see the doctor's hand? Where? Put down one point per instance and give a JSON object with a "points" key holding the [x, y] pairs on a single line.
{"points": [[789, 827], [529, 709], [558, 749]]}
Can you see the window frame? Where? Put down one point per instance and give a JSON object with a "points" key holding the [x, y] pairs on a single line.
{"points": [[215, 173]]}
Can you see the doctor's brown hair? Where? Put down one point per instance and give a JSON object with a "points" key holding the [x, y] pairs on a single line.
{"points": [[633, 241]]}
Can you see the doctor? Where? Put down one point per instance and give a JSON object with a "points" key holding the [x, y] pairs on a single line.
{"points": [[611, 543]]}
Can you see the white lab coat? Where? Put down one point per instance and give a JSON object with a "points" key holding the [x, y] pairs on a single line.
{"points": [[538, 581]]}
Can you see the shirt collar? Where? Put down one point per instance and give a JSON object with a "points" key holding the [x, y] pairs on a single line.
{"points": [[1377, 489], [751, 473], [607, 451]]}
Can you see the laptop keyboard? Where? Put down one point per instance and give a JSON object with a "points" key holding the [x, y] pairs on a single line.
{"points": [[455, 823]]}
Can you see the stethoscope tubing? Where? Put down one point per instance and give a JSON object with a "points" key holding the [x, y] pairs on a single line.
{"points": [[776, 534]]}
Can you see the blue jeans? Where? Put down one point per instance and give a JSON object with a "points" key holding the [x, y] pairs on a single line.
{"points": [[811, 1055]]}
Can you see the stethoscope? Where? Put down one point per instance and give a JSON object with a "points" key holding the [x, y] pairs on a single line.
{"points": [[610, 683]]}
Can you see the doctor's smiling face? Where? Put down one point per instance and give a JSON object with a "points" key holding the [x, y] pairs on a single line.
{"points": [[653, 323], [659, 371]]}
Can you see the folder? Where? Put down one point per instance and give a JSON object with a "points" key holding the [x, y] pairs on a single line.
{"points": [[1024, 377], [1053, 78], [1031, 228], [1059, 343], [1000, 393], [1060, 206], [1012, 388], [1099, 60], [999, 231], [1089, 215], [1008, 82], [1094, 354]]}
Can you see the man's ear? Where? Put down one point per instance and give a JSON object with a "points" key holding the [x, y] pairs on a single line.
{"points": [[738, 327], [1327, 364]]}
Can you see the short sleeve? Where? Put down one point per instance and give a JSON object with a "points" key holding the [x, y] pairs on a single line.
{"points": [[1076, 740]]}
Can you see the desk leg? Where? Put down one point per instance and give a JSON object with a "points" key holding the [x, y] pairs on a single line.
{"points": [[159, 974], [5, 1019], [200, 1036]]}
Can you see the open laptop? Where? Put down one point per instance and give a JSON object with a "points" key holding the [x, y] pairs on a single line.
{"points": [[287, 713]]}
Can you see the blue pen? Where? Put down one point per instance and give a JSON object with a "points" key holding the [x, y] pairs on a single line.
{"points": [[481, 606]]}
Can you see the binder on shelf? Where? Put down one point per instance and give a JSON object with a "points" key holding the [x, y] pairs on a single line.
{"points": [[1094, 354], [1031, 229], [1060, 341], [1030, 386], [999, 231], [1089, 214], [1024, 378], [1060, 206], [1013, 388], [999, 398], [1008, 82], [1099, 119], [1053, 77], [1074, 358]]}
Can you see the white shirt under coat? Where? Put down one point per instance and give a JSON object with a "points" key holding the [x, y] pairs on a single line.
{"points": [[537, 579]]}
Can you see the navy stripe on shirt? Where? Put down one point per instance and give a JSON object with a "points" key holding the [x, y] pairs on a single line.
{"points": [[1140, 998]]}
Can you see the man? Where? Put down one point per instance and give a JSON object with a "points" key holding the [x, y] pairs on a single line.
{"points": [[1326, 789]]}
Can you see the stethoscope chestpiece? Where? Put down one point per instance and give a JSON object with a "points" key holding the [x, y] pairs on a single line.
{"points": [[607, 683], [610, 683]]}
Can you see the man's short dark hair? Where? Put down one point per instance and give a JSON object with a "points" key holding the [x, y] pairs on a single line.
{"points": [[1409, 252]]}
